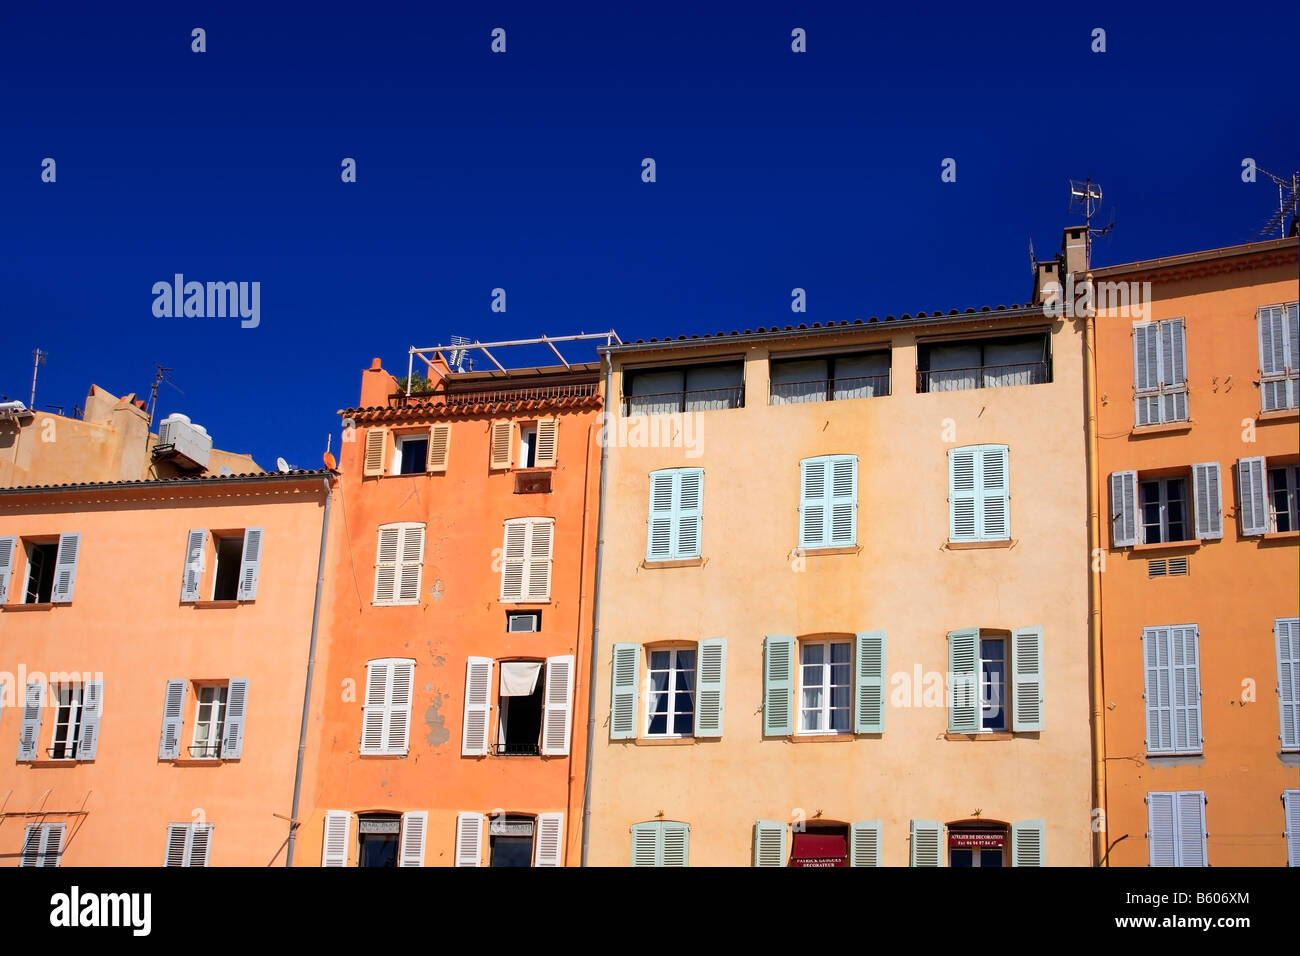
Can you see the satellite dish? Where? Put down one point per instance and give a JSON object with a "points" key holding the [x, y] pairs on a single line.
{"points": [[283, 465], [330, 463]]}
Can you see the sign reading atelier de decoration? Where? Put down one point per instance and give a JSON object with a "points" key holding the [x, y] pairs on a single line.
{"points": [[977, 840], [379, 826]]}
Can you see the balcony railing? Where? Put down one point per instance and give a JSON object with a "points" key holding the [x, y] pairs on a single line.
{"points": [[690, 400], [206, 751], [508, 749], [987, 376], [535, 393], [829, 389]]}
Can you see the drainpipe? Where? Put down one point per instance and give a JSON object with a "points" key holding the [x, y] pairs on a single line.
{"points": [[1097, 690], [595, 613], [311, 667]]}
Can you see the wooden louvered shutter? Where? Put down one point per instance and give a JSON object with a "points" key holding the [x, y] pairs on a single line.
{"points": [[415, 826], [65, 568], [769, 843], [963, 681], [514, 555], [557, 705], [864, 843], [401, 687], [710, 687], [548, 442], [1123, 509], [1158, 690], [92, 709], [411, 564], [337, 838], [1027, 678], [1027, 843], [500, 451], [659, 525], [869, 690], [192, 577], [962, 495], [1286, 631], [169, 742], [250, 564], [376, 452], [374, 717], [541, 550], [1186, 683], [549, 841], [1208, 497], [1173, 371], [1252, 488], [812, 503], [1146, 374], [478, 706], [995, 494], [843, 515], [52, 845], [689, 513], [623, 692], [778, 685], [926, 843], [439, 447], [386, 561], [469, 839], [33, 838]]}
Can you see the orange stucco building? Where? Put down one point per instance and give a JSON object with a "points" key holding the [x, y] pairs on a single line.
{"points": [[1196, 576], [451, 714], [154, 646]]}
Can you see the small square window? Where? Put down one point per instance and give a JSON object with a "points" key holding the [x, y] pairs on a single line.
{"points": [[412, 454], [1164, 510], [1282, 486], [825, 687], [209, 721], [41, 560], [523, 622], [511, 841]]}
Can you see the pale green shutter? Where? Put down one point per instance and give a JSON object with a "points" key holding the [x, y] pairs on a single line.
{"points": [[778, 686], [659, 524], [1027, 843], [995, 493], [864, 843], [962, 495], [622, 708], [869, 692], [688, 513], [710, 687], [926, 843], [769, 843], [1027, 678], [812, 503], [963, 681], [842, 517], [675, 844], [647, 849]]}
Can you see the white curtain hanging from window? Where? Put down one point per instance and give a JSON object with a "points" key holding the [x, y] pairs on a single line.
{"points": [[519, 678]]}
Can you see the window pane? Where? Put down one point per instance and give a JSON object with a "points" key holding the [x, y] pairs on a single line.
{"points": [[686, 660], [797, 382], [659, 660], [659, 724], [961, 858], [862, 376], [840, 653], [813, 653], [840, 719], [990, 857], [683, 724]]}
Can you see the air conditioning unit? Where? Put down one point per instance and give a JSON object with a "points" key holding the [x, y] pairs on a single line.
{"points": [[527, 622], [178, 438]]}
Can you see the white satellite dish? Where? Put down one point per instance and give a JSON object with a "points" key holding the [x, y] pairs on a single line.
{"points": [[283, 465]]}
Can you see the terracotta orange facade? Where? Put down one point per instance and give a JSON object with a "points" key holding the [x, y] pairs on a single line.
{"points": [[451, 715], [1197, 443]]}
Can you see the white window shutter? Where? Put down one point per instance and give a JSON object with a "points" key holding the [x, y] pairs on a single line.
{"points": [[1186, 675], [548, 442], [1191, 828], [29, 733], [1291, 813], [689, 513], [710, 687], [200, 844], [500, 450], [769, 843], [414, 827], [177, 852], [52, 845], [412, 564], [926, 843], [478, 706], [374, 719], [337, 839], [439, 447], [169, 742], [65, 568], [386, 561], [623, 692], [1286, 632], [469, 839], [541, 545], [8, 547], [1027, 678], [1158, 690], [1123, 509], [864, 843], [192, 577], [92, 709], [1252, 489], [250, 564], [401, 685], [557, 707], [549, 841], [514, 558], [659, 525], [1027, 843], [33, 838], [963, 493], [376, 452], [812, 503], [1208, 495], [232, 746]]}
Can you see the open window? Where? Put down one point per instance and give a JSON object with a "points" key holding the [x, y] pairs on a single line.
{"points": [[519, 730], [411, 454], [1167, 506], [216, 723], [40, 569], [379, 837], [692, 388], [994, 362], [68, 714], [77, 708], [41, 558], [828, 378], [236, 559], [209, 720], [510, 841]]}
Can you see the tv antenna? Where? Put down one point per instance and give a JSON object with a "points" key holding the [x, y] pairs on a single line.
{"points": [[160, 376], [1285, 203], [1085, 198], [38, 359], [1033, 259], [457, 358]]}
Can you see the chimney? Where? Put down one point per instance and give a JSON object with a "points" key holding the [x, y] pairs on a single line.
{"points": [[1074, 250], [1047, 281]]}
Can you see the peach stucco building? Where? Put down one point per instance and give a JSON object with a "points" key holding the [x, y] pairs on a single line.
{"points": [[452, 710], [842, 614], [1198, 444], [154, 646]]}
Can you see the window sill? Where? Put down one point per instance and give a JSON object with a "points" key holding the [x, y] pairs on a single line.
{"points": [[197, 761], [995, 735], [980, 545], [815, 552], [1175, 756], [45, 762], [381, 756], [394, 603], [683, 563], [27, 607], [1282, 536], [206, 604], [1163, 429], [665, 741], [819, 738], [1168, 545], [1281, 415]]}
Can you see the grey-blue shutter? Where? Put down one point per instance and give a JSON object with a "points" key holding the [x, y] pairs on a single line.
{"points": [[963, 681], [192, 576], [29, 734], [250, 563], [1123, 509], [1208, 496], [232, 745], [65, 568], [1252, 489], [92, 709], [8, 545], [169, 743]]}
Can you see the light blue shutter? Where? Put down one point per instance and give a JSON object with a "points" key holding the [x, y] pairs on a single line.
{"points": [[674, 844], [248, 566], [1123, 509], [647, 845], [1146, 375], [1027, 678], [869, 712], [8, 545], [622, 707], [1190, 816], [778, 686], [842, 525], [688, 513], [1252, 488], [1157, 690], [92, 709], [769, 843], [169, 743], [1173, 371], [65, 568], [192, 576], [1291, 813], [1027, 843], [962, 495], [1186, 674], [710, 687], [29, 733], [963, 681], [659, 524], [864, 843], [1286, 631], [926, 843], [232, 746], [812, 503], [995, 494], [1208, 497]]}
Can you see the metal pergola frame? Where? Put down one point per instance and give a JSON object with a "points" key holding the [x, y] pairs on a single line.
{"points": [[427, 354]]}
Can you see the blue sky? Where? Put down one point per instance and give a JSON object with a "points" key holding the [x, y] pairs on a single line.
{"points": [[522, 171]]}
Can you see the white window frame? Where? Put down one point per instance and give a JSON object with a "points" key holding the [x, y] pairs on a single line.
{"points": [[216, 563], [399, 439], [527, 431], [27, 572], [1189, 520], [72, 726], [826, 686], [402, 527], [673, 671], [1007, 680], [216, 719], [1290, 471]]}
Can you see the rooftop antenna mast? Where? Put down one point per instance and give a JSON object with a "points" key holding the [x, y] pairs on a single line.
{"points": [[1085, 197], [1285, 204], [457, 357], [38, 359], [160, 376]]}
